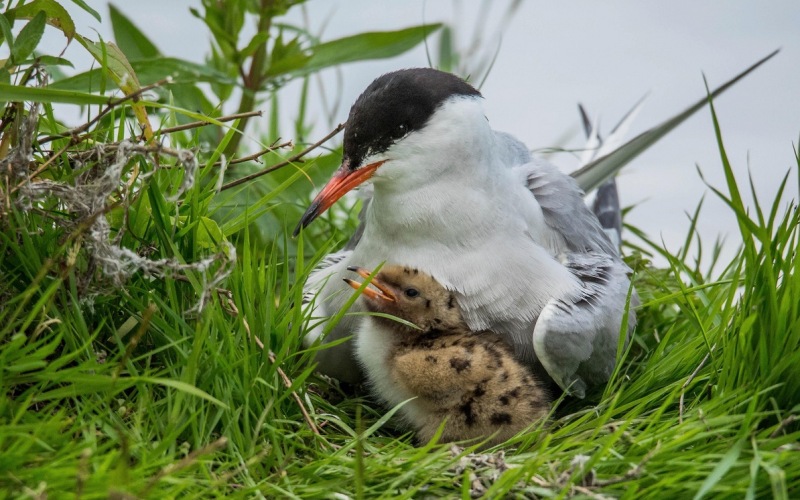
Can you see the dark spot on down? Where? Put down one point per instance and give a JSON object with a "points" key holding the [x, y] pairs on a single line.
{"points": [[500, 418], [469, 413], [479, 391], [470, 345], [497, 356], [433, 334], [428, 304], [460, 364], [538, 404], [431, 359], [451, 302]]}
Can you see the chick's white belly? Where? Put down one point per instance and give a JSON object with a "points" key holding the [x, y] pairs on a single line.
{"points": [[373, 351]]}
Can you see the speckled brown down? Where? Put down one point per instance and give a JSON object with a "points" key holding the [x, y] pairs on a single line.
{"points": [[471, 380]]}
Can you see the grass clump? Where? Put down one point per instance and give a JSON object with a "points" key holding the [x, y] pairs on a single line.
{"points": [[151, 325]]}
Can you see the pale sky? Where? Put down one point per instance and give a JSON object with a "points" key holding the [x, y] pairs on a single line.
{"points": [[603, 54]]}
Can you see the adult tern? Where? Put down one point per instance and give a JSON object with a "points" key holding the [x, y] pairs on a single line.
{"points": [[508, 234]]}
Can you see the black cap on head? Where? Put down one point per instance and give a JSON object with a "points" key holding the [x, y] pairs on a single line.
{"points": [[394, 105]]}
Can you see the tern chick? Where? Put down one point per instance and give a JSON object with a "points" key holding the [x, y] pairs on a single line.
{"points": [[469, 380]]}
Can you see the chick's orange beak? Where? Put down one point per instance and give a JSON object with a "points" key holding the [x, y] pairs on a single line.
{"points": [[383, 292], [342, 181]]}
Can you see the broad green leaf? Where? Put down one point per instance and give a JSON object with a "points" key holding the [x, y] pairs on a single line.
{"points": [[83, 5], [187, 113], [37, 94], [258, 39], [120, 70], [209, 235], [57, 16], [189, 96], [47, 94], [54, 61], [5, 30], [598, 171], [5, 79], [130, 39], [447, 54], [287, 57], [364, 46], [152, 70], [28, 38], [115, 62]]}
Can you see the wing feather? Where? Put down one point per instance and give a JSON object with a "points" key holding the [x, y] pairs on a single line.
{"points": [[576, 338]]}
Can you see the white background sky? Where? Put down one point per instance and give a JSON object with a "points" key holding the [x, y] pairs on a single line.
{"points": [[603, 54]]}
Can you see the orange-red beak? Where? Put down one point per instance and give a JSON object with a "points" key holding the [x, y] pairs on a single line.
{"points": [[383, 292], [342, 181]]}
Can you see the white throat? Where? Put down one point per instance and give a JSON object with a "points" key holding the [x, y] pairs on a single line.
{"points": [[435, 175]]}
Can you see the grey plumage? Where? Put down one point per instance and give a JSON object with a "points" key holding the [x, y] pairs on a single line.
{"points": [[559, 337]]}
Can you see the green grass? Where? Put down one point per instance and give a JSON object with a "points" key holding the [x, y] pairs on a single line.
{"points": [[119, 389], [150, 328]]}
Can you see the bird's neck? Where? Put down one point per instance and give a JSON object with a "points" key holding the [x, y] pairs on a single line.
{"points": [[427, 194], [450, 210]]}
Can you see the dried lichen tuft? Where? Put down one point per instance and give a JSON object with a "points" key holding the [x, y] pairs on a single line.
{"points": [[86, 203]]}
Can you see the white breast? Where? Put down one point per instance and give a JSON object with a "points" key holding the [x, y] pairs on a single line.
{"points": [[374, 346]]}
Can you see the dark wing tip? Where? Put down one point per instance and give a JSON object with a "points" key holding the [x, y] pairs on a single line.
{"points": [[587, 122]]}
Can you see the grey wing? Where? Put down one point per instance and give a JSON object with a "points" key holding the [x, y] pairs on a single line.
{"points": [[513, 151], [576, 338], [606, 208], [564, 209], [338, 361]]}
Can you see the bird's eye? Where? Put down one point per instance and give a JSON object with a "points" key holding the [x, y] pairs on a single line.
{"points": [[412, 292], [401, 130]]}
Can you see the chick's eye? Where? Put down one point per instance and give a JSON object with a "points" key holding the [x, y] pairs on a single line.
{"points": [[411, 292]]}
